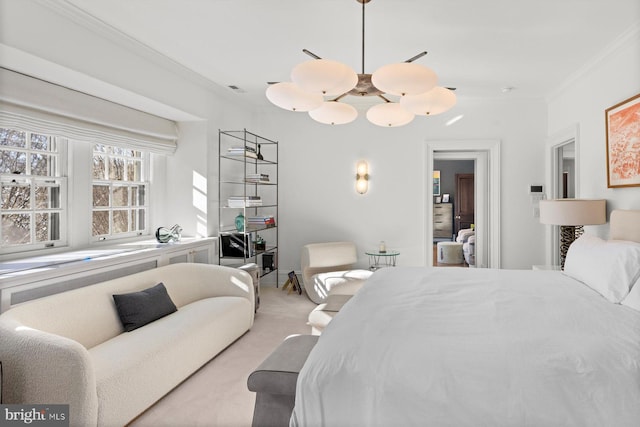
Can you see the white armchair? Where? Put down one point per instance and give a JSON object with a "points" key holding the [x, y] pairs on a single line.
{"points": [[329, 267]]}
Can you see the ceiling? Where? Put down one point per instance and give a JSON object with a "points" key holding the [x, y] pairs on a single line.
{"points": [[479, 47]]}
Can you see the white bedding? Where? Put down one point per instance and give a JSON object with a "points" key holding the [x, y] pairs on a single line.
{"points": [[474, 347]]}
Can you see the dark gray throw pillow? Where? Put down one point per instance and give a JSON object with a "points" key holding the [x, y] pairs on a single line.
{"points": [[139, 308]]}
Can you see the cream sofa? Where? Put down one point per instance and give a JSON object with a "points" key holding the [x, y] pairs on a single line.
{"points": [[70, 348]]}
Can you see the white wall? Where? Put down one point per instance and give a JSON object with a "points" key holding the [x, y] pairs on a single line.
{"points": [[317, 178], [612, 78]]}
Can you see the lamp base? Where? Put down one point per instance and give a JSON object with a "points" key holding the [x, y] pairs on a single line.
{"points": [[568, 234]]}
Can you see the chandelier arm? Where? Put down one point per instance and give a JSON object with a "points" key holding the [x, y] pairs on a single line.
{"points": [[384, 98], [338, 98], [311, 54], [418, 56]]}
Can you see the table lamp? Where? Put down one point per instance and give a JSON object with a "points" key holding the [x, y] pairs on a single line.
{"points": [[571, 215]]}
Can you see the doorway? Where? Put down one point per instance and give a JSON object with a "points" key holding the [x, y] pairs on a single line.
{"points": [[486, 156]]}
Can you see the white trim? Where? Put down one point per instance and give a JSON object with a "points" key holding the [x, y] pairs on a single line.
{"points": [[485, 152]]}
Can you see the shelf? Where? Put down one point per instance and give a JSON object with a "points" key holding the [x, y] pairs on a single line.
{"points": [[239, 175]]}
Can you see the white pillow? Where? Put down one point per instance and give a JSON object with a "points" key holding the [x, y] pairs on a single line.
{"points": [[608, 267], [633, 299]]}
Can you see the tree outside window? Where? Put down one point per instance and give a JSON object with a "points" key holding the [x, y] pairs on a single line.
{"points": [[119, 192]]}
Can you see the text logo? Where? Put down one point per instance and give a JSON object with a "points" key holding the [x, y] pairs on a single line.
{"points": [[34, 415]]}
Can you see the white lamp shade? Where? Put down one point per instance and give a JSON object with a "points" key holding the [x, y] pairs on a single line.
{"points": [[289, 96], [389, 114], [405, 78], [334, 113], [324, 76], [573, 212], [436, 101]]}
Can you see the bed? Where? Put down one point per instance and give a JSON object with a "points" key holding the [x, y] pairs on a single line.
{"points": [[481, 347]]}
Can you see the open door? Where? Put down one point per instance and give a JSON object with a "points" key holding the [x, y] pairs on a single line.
{"points": [[464, 204]]}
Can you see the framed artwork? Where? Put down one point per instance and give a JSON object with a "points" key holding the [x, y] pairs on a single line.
{"points": [[438, 199], [436, 183], [445, 198], [623, 143]]}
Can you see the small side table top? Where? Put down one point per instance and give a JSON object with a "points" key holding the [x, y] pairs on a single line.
{"points": [[379, 259]]}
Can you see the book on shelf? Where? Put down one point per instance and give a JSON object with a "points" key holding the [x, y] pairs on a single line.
{"points": [[261, 221], [242, 151], [257, 177], [244, 201]]}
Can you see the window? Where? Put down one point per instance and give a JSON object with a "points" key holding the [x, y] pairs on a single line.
{"points": [[120, 204], [32, 190]]}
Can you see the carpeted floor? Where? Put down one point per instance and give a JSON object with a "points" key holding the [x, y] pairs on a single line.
{"points": [[217, 394]]}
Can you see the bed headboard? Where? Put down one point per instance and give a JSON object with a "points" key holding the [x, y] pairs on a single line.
{"points": [[625, 225]]}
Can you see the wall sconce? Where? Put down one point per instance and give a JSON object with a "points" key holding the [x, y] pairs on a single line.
{"points": [[362, 177]]}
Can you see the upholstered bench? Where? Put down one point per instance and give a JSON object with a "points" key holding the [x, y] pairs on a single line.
{"points": [[274, 381]]}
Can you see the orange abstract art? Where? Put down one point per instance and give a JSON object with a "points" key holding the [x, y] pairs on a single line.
{"points": [[623, 143]]}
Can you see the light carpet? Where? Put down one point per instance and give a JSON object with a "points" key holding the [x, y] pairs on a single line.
{"points": [[217, 394]]}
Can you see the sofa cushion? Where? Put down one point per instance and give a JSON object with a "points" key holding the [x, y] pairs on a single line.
{"points": [[137, 309]]}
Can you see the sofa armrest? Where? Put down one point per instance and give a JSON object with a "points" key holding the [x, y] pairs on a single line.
{"points": [[43, 368]]}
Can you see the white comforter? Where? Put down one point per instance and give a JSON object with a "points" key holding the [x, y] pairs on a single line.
{"points": [[474, 347]]}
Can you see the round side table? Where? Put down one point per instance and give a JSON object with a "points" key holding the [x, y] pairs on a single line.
{"points": [[379, 259]]}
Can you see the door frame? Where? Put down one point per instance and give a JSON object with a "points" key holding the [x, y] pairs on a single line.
{"points": [[486, 154], [554, 143]]}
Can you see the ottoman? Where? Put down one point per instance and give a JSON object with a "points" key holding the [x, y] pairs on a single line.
{"points": [[449, 253], [274, 381]]}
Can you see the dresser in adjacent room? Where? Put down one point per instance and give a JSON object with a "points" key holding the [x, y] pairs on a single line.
{"points": [[443, 221]]}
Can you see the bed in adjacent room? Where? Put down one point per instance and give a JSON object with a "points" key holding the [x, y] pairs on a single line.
{"points": [[481, 347]]}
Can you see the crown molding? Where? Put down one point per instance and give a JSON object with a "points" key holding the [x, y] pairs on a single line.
{"points": [[628, 35], [125, 41]]}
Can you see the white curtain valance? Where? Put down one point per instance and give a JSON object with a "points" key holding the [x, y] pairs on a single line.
{"points": [[31, 104]]}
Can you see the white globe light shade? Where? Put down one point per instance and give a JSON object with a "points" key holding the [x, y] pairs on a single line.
{"points": [[389, 114], [436, 101], [405, 78], [334, 113], [289, 96], [324, 76]]}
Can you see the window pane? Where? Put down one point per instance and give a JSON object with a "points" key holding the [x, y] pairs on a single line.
{"points": [[39, 142], [120, 196], [17, 196], [99, 167], [137, 195], [100, 223], [100, 195], [13, 138], [16, 229], [44, 227], [134, 170], [116, 169], [14, 162], [41, 164], [142, 214], [120, 221], [42, 197]]}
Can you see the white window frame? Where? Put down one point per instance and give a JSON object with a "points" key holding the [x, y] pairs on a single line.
{"points": [[143, 182], [56, 178]]}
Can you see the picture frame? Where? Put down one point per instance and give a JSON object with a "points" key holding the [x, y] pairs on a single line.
{"points": [[445, 198], [436, 183], [438, 199], [622, 124]]}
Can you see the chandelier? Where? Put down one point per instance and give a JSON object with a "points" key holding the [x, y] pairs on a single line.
{"points": [[321, 86]]}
